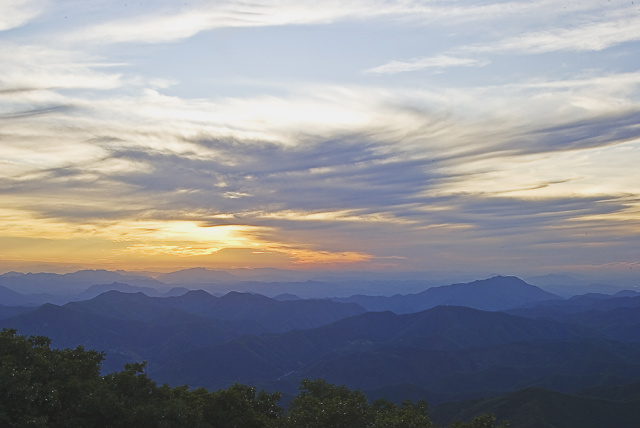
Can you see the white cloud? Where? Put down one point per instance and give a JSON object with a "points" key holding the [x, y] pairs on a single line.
{"points": [[590, 28], [42, 67], [592, 36], [437, 62], [175, 22], [322, 164], [15, 13]]}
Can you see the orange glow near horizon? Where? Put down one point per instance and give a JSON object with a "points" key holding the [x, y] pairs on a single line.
{"points": [[140, 244], [125, 147]]}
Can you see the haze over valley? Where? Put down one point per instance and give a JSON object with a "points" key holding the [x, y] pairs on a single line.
{"points": [[491, 339]]}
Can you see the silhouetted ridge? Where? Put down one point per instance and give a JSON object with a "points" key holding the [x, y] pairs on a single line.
{"points": [[97, 289], [9, 297], [433, 348], [542, 408], [493, 294]]}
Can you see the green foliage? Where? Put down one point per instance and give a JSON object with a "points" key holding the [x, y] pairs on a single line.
{"points": [[241, 406], [408, 415], [320, 404], [480, 421], [44, 387]]}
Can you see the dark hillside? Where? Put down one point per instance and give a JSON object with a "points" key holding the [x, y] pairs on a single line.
{"points": [[134, 327], [9, 297], [540, 408], [123, 340], [449, 351], [272, 315]]}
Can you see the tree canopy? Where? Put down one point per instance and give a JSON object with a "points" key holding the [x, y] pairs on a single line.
{"points": [[42, 386]]}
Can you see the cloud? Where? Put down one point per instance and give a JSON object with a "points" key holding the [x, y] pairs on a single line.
{"points": [[171, 22], [15, 13], [592, 36], [332, 193], [249, 159], [173, 250], [438, 62], [33, 67], [320, 173], [179, 23], [25, 114], [583, 31]]}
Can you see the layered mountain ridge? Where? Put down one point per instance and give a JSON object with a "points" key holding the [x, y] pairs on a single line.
{"points": [[466, 341]]}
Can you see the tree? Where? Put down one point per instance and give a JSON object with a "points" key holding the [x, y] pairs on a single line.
{"points": [[44, 387], [480, 421], [320, 405], [242, 406], [408, 415], [131, 399]]}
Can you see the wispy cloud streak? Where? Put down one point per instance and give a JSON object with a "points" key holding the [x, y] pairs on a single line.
{"points": [[437, 62], [98, 145], [14, 13]]}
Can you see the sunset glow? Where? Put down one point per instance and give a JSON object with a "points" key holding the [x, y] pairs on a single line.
{"points": [[419, 135]]}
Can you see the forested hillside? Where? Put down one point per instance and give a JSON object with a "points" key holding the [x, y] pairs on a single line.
{"points": [[52, 388], [135, 327], [583, 351]]}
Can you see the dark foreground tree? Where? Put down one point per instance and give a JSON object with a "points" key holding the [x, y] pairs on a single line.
{"points": [[43, 387], [408, 415], [320, 404], [242, 406], [480, 421]]}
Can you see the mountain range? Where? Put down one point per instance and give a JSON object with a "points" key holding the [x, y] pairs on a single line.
{"points": [[62, 288], [494, 345], [452, 352], [133, 326], [493, 294]]}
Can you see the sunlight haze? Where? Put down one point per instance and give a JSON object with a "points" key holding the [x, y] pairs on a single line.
{"points": [[492, 136]]}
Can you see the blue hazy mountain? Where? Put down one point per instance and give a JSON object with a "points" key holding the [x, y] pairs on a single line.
{"points": [[493, 294], [153, 335], [443, 354], [269, 314], [452, 352], [133, 326], [616, 317], [196, 276], [9, 297], [97, 289], [12, 311], [569, 285], [72, 283]]}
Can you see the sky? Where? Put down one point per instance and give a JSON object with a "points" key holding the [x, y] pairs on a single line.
{"points": [[494, 136]]}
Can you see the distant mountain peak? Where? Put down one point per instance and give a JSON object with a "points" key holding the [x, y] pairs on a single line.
{"points": [[491, 294], [9, 297], [12, 274], [196, 275], [111, 294], [198, 293], [237, 295], [195, 269], [502, 279], [98, 289]]}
